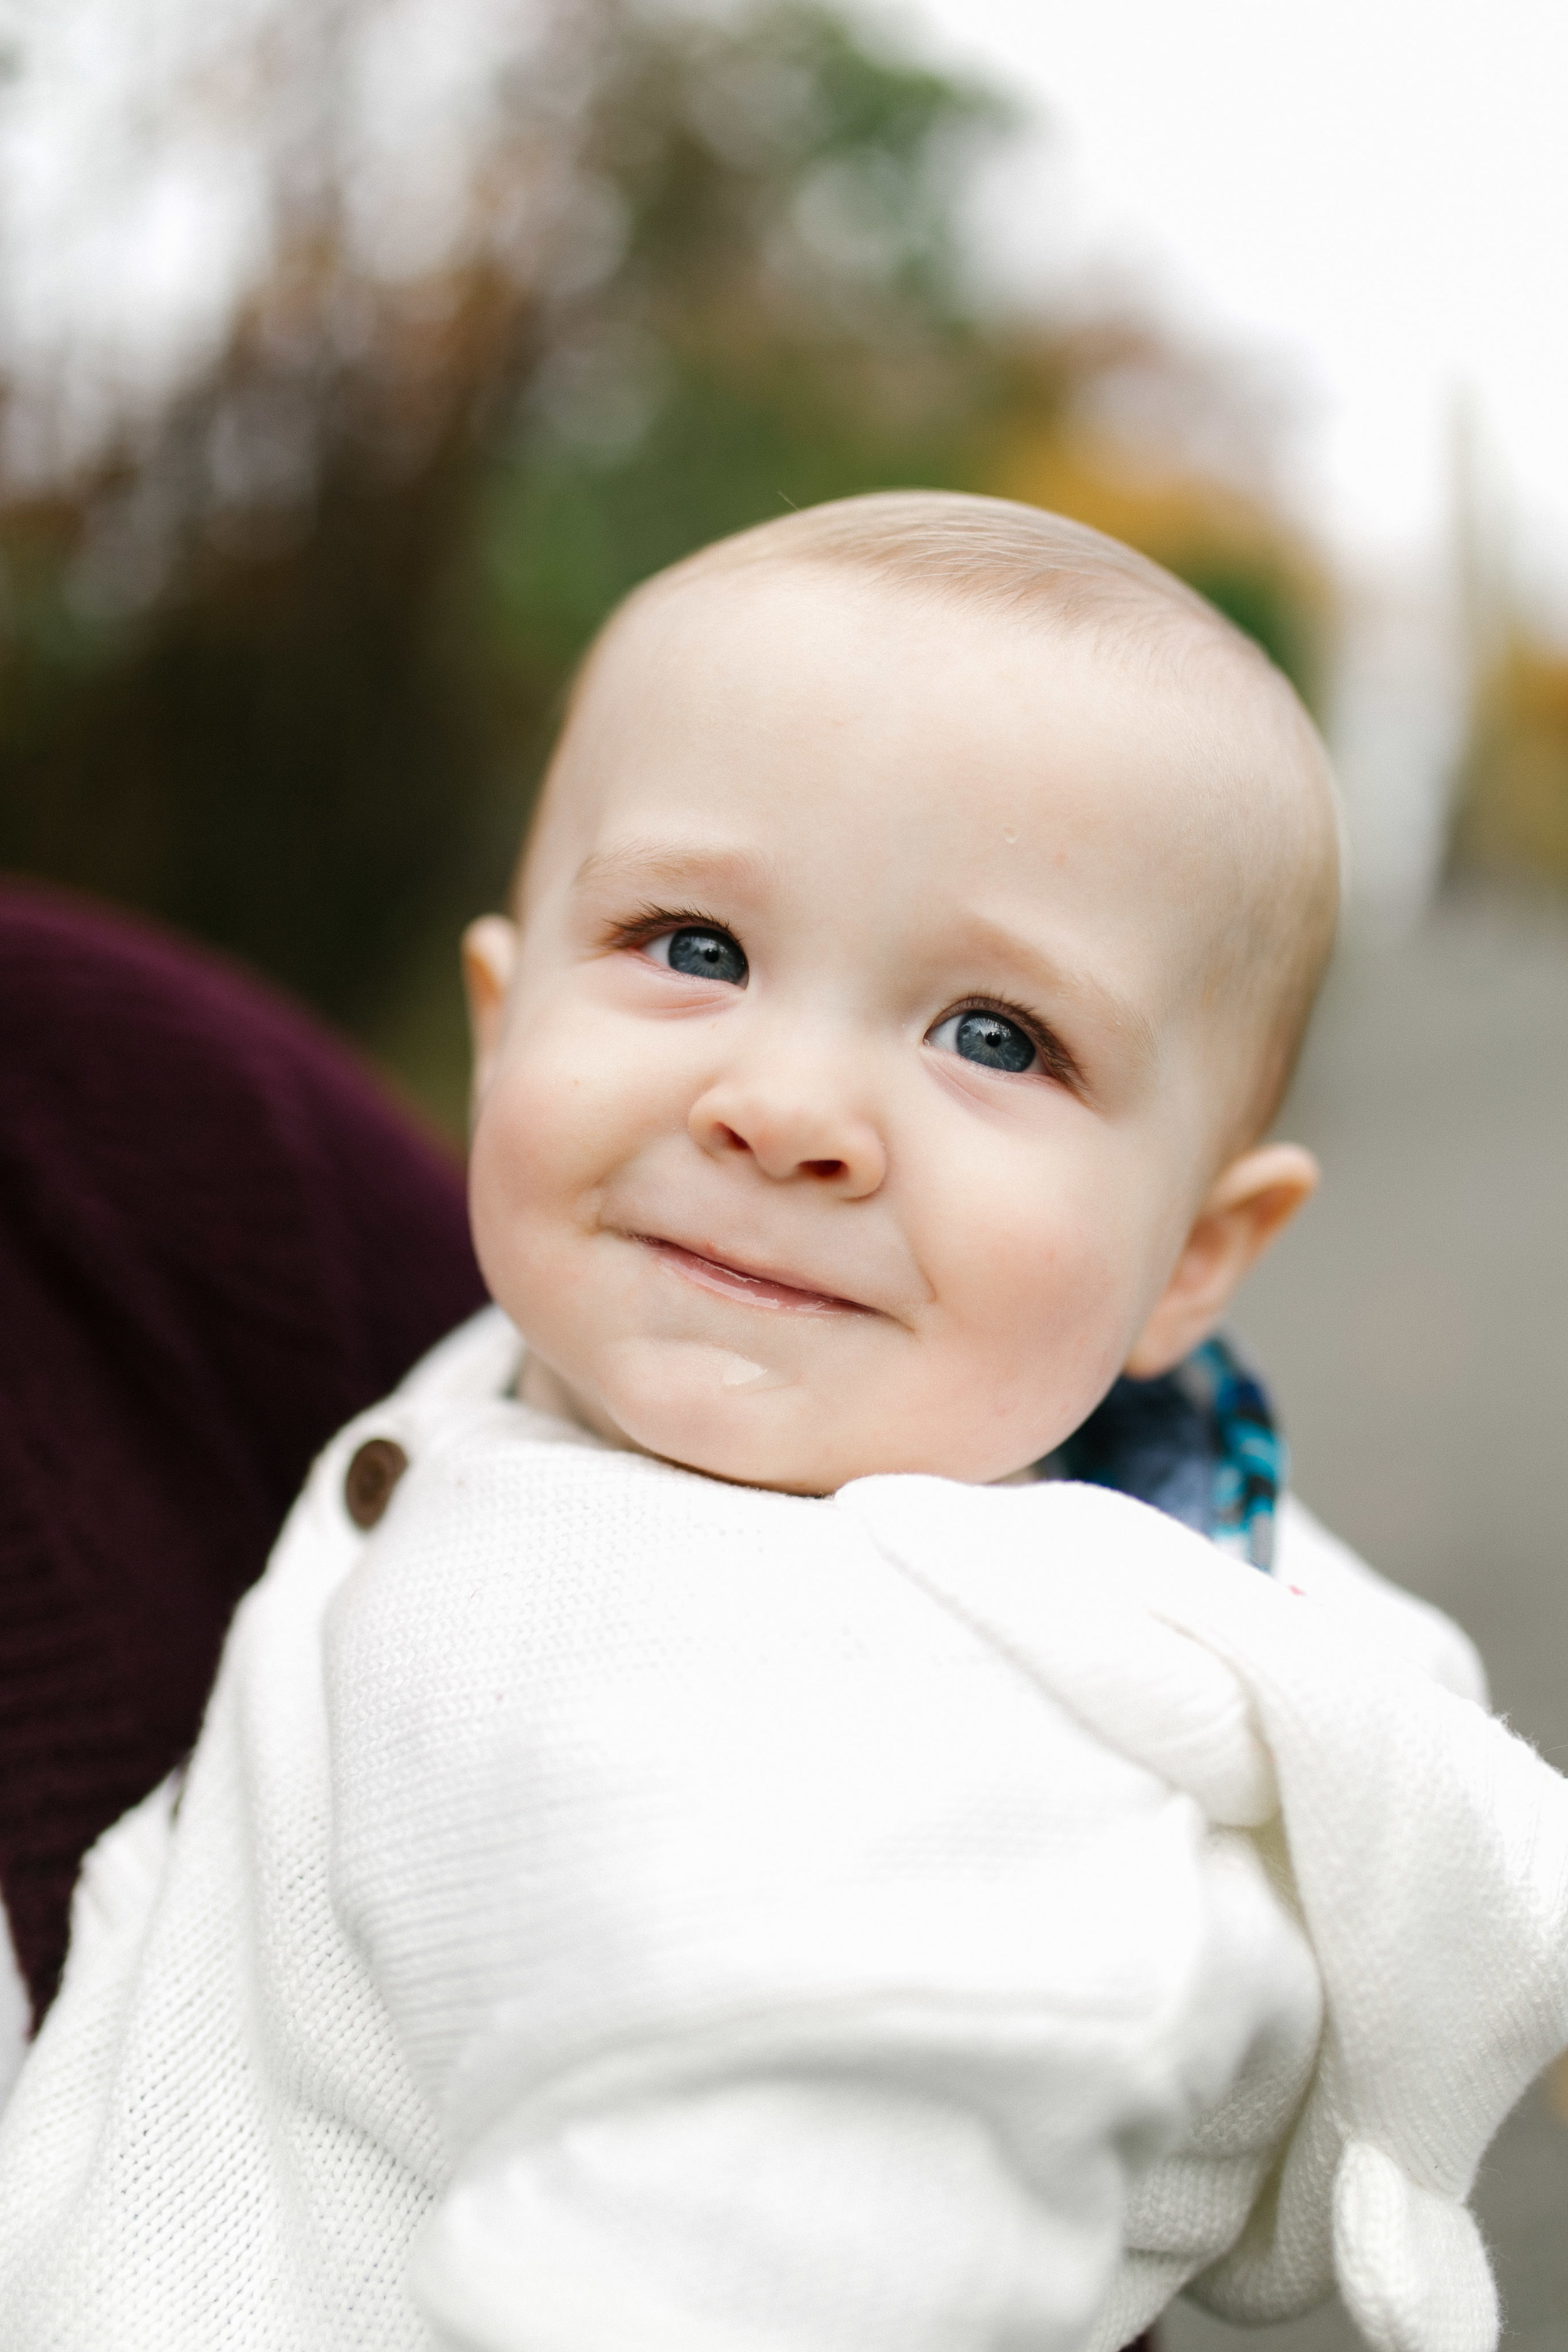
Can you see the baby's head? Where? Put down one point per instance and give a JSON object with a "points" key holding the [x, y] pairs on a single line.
{"points": [[919, 927]]}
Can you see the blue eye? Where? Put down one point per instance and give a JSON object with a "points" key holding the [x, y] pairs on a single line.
{"points": [[988, 1038], [702, 953]]}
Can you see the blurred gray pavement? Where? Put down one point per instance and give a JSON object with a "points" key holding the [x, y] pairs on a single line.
{"points": [[1414, 1330]]}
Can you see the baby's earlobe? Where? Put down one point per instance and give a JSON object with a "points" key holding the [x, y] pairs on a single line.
{"points": [[489, 956], [489, 953], [1250, 1202]]}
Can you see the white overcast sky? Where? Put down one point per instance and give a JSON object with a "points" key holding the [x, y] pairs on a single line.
{"points": [[1373, 192]]}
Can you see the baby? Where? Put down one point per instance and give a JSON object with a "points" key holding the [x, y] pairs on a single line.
{"points": [[693, 1845], [919, 929]]}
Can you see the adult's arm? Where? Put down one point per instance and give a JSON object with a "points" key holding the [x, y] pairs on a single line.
{"points": [[218, 1241]]}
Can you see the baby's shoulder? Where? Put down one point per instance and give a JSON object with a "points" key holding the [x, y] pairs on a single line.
{"points": [[1311, 1561]]}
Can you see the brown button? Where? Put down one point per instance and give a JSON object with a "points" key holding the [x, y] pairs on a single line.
{"points": [[371, 1477]]}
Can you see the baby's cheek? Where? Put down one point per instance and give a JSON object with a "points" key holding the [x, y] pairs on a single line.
{"points": [[522, 1175], [1041, 1308], [562, 1113], [553, 1116]]}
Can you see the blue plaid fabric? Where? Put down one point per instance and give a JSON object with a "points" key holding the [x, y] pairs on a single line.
{"points": [[1200, 1443]]}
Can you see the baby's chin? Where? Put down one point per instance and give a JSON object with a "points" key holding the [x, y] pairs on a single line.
{"points": [[707, 1408]]}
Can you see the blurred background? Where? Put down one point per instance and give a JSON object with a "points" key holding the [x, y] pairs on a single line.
{"points": [[356, 356]]}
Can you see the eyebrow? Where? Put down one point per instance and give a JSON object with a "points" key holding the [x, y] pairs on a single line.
{"points": [[643, 864]]}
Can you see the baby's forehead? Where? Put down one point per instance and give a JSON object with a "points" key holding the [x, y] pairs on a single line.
{"points": [[1155, 650], [793, 706], [1186, 719]]}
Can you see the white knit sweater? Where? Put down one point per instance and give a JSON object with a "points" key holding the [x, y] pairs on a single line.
{"points": [[608, 1908]]}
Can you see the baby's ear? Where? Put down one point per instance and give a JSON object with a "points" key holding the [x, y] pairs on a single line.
{"points": [[490, 952], [1249, 1202]]}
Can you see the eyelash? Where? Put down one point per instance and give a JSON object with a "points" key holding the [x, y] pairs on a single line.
{"points": [[1057, 1061], [654, 921]]}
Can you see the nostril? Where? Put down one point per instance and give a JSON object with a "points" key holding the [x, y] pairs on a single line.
{"points": [[731, 1141], [823, 1167]]}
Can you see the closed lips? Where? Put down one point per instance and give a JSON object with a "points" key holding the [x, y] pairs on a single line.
{"points": [[768, 1290]]}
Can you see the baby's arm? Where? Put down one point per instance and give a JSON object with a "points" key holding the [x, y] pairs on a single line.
{"points": [[788, 1968]]}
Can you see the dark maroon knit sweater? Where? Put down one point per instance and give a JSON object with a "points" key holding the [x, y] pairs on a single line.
{"points": [[217, 1241]]}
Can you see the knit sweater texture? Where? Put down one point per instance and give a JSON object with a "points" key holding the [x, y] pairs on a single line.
{"points": [[608, 1906]]}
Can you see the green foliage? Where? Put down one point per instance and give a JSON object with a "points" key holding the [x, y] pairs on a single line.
{"points": [[567, 531], [781, 146]]}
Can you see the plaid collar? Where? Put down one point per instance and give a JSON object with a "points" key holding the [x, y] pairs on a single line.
{"points": [[1199, 1442]]}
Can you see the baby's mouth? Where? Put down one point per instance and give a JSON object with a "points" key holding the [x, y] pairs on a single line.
{"points": [[767, 1290]]}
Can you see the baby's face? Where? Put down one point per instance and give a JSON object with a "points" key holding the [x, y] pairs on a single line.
{"points": [[846, 1099]]}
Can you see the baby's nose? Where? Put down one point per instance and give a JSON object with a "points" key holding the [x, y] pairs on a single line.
{"points": [[792, 1135]]}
